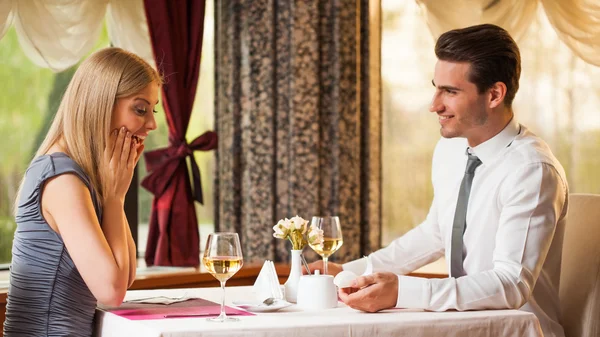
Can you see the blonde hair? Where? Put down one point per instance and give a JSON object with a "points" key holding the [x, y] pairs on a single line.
{"points": [[83, 119]]}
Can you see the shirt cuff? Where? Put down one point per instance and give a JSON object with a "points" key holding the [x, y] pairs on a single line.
{"points": [[413, 292], [358, 267]]}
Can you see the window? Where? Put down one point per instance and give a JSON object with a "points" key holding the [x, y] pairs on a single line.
{"points": [[203, 120], [558, 99], [29, 98]]}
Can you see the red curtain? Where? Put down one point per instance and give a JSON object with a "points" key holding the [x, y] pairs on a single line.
{"points": [[176, 29]]}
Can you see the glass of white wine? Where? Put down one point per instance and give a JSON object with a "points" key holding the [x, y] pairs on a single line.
{"points": [[332, 237], [223, 258]]}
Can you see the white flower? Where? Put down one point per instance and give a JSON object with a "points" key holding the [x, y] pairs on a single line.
{"points": [[294, 229], [282, 229], [315, 235], [299, 224]]}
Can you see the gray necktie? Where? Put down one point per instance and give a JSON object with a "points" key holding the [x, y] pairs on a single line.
{"points": [[460, 218]]}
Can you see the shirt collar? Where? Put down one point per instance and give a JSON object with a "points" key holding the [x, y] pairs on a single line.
{"points": [[487, 150]]}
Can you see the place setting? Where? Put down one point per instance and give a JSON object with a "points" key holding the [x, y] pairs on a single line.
{"points": [[223, 258], [267, 292], [311, 291], [300, 292]]}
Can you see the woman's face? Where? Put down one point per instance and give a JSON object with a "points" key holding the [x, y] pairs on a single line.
{"points": [[136, 113]]}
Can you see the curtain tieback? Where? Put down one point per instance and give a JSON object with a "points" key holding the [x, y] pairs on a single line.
{"points": [[162, 163]]}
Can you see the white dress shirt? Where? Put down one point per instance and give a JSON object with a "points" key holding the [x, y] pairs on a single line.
{"points": [[513, 239]]}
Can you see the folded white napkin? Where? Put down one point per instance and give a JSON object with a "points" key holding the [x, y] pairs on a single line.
{"points": [[267, 283]]}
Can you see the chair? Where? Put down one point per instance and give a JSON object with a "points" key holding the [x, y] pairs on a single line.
{"points": [[580, 272]]}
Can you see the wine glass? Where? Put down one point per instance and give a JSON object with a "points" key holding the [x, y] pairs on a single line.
{"points": [[223, 258], [332, 237]]}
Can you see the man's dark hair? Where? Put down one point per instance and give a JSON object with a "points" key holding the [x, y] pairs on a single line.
{"points": [[492, 53]]}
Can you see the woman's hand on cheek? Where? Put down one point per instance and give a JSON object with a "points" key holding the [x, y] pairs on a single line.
{"points": [[120, 156]]}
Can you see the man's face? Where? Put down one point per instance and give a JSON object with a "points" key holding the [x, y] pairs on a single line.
{"points": [[462, 111]]}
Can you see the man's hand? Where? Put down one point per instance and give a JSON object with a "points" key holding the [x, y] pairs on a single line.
{"points": [[372, 293], [332, 268]]}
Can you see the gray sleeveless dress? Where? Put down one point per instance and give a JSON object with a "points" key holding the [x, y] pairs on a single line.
{"points": [[46, 295]]}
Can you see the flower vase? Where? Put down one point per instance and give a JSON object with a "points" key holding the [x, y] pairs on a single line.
{"points": [[291, 285]]}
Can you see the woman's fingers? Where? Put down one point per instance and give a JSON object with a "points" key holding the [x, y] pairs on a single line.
{"points": [[116, 155], [134, 156], [126, 149], [110, 144]]}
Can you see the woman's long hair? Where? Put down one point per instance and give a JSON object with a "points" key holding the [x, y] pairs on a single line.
{"points": [[83, 119]]}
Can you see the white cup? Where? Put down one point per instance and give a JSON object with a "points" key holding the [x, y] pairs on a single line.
{"points": [[317, 292]]}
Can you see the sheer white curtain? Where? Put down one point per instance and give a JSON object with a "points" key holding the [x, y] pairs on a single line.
{"points": [[128, 28], [6, 16], [513, 15], [558, 99], [577, 22], [57, 34]]}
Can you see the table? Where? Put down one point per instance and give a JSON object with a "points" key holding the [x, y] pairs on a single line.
{"points": [[340, 321]]}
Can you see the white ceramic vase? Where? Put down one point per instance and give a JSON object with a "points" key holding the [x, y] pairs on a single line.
{"points": [[291, 285]]}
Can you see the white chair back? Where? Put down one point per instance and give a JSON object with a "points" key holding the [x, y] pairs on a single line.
{"points": [[580, 270]]}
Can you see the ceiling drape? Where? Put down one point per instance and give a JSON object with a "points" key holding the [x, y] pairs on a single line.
{"points": [[577, 22], [57, 34]]}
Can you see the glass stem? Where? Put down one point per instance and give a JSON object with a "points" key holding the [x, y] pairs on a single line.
{"points": [[325, 271], [223, 300]]}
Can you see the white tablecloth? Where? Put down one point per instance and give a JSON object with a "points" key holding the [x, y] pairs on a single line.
{"points": [[341, 321]]}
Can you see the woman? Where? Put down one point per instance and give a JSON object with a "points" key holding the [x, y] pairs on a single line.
{"points": [[72, 246]]}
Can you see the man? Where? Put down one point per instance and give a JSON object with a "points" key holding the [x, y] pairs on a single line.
{"points": [[500, 198]]}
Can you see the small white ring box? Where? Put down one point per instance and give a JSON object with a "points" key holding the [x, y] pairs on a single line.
{"points": [[317, 292]]}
